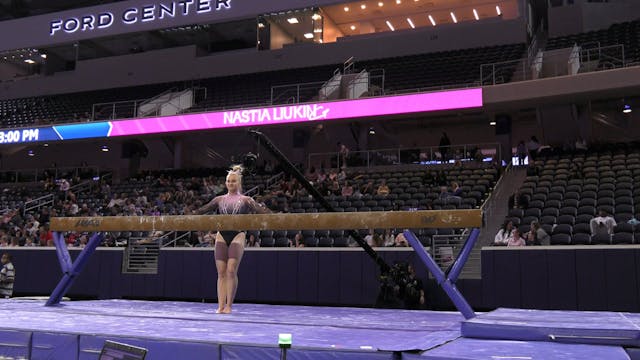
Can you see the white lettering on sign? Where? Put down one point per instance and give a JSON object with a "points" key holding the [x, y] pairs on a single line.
{"points": [[135, 15], [285, 114]]}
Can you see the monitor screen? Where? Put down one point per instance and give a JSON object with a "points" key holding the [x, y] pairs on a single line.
{"points": [[117, 351]]}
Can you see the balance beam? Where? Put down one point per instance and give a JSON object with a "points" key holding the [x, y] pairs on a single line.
{"points": [[283, 221]]}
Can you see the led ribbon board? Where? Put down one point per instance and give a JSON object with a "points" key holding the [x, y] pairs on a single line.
{"points": [[300, 113]]}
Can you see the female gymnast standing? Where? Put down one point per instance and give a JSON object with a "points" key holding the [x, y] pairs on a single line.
{"points": [[229, 245]]}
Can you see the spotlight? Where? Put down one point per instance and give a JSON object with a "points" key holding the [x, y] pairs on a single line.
{"points": [[31, 153], [627, 109], [308, 35], [316, 17], [372, 131], [492, 123], [293, 20], [363, 6], [104, 148], [346, 9]]}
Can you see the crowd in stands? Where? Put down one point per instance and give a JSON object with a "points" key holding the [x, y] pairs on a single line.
{"points": [[576, 194], [180, 192]]}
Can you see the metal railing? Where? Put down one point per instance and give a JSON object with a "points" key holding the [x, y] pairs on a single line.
{"points": [[173, 238], [446, 248], [35, 175], [310, 91], [116, 110], [141, 256], [402, 156], [36, 204], [590, 59]]}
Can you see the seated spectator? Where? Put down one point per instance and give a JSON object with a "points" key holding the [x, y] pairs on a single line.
{"points": [[389, 238], [383, 189], [347, 189], [368, 188], [602, 224], [537, 235], [401, 241], [516, 239], [252, 241], [504, 234]]}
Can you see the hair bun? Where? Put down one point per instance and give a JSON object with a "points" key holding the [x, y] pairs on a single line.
{"points": [[237, 169]]}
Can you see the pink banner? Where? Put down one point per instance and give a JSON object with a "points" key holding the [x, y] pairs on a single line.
{"points": [[336, 110]]}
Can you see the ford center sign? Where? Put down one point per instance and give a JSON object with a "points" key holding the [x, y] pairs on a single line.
{"points": [[134, 15]]}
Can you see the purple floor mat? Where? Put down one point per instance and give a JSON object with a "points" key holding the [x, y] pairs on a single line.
{"points": [[477, 349], [585, 327], [259, 325]]}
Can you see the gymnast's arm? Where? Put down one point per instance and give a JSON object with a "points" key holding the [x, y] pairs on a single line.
{"points": [[210, 206], [256, 207]]}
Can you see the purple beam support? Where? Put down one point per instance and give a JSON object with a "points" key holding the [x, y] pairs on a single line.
{"points": [[447, 285], [456, 269], [74, 269], [63, 253]]}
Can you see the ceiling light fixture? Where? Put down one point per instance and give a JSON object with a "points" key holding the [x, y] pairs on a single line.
{"points": [[29, 61], [492, 123], [104, 148], [363, 6], [390, 26], [308, 35], [293, 20], [380, 4], [398, 2], [346, 8], [453, 17], [411, 23], [433, 22], [316, 17], [353, 27], [498, 10], [475, 14], [627, 109]]}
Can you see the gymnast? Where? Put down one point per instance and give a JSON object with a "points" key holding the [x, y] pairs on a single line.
{"points": [[229, 245]]}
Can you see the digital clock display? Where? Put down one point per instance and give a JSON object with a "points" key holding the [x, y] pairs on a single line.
{"points": [[19, 136]]}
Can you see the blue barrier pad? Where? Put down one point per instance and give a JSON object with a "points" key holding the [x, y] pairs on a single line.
{"points": [[472, 349], [584, 327]]}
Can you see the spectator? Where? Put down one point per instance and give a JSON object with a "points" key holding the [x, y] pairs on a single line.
{"points": [[516, 239], [537, 235], [533, 146], [368, 188], [413, 290], [383, 189], [253, 241], [347, 189], [602, 224], [445, 144], [389, 238], [343, 154], [521, 152], [7, 276], [504, 234], [401, 241]]}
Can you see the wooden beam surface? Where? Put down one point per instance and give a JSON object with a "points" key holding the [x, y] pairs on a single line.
{"points": [[284, 221]]}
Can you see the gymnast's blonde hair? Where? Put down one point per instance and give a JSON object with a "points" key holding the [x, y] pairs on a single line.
{"points": [[237, 170]]}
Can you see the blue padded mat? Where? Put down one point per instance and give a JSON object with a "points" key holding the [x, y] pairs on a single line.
{"points": [[584, 327], [327, 328], [477, 349]]}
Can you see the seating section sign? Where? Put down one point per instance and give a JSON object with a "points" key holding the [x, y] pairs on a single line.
{"points": [[378, 107]]}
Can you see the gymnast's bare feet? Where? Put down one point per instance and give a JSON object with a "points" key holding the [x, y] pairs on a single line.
{"points": [[220, 310], [226, 310]]}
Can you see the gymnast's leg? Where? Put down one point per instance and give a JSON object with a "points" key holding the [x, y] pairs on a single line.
{"points": [[222, 256], [236, 249]]}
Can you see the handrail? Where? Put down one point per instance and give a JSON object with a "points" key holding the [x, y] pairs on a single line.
{"points": [[397, 151]]}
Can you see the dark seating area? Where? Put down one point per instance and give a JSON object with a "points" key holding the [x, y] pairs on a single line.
{"points": [[434, 70], [570, 189], [627, 33]]}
